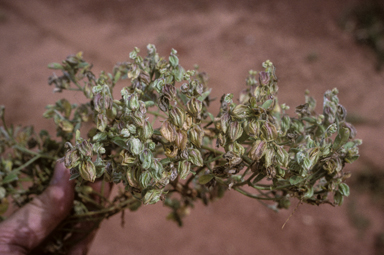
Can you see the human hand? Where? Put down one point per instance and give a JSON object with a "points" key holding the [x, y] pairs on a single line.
{"points": [[29, 226]]}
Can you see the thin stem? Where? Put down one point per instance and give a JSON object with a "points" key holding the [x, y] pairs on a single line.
{"points": [[211, 150], [26, 164], [252, 195], [33, 153]]}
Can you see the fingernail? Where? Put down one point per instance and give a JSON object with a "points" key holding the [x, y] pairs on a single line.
{"points": [[61, 174]]}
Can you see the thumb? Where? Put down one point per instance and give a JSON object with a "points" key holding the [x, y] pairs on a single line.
{"points": [[31, 224]]}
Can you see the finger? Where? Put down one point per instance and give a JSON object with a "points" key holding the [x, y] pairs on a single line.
{"points": [[28, 226], [83, 246]]}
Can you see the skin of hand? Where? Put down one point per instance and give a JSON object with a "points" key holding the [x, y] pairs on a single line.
{"points": [[30, 225]]}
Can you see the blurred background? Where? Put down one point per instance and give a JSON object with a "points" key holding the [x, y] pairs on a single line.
{"points": [[315, 45]]}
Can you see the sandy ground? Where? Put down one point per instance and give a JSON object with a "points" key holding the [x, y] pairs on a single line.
{"points": [[226, 38]]}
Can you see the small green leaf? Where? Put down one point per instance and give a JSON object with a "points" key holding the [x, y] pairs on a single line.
{"points": [[174, 60], [267, 104], [10, 178], [204, 95], [344, 189], [295, 180], [341, 138], [55, 66], [204, 179], [338, 198], [309, 193]]}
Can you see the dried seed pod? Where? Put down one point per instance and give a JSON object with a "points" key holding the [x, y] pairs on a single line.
{"points": [[184, 169], [135, 146], [181, 139], [177, 116], [258, 150], [168, 131], [87, 170], [194, 107], [127, 158], [194, 156], [235, 130], [196, 135]]}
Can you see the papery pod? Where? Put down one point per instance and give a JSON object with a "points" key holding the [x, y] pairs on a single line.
{"points": [[314, 154], [101, 122], [181, 139], [258, 150], [269, 156], [233, 158], [133, 175], [264, 78], [163, 103], [170, 151], [332, 165], [252, 128], [135, 146], [184, 169], [142, 108], [352, 129], [224, 122], [169, 91], [146, 131], [71, 159], [221, 140], [124, 133], [188, 121], [177, 116], [138, 118], [269, 131], [194, 107], [127, 158], [157, 168], [236, 148], [151, 196], [145, 179], [235, 130], [85, 148], [132, 129], [196, 135], [87, 170], [194, 156], [352, 155], [244, 96], [146, 158], [341, 112], [282, 156], [241, 111], [168, 131]]}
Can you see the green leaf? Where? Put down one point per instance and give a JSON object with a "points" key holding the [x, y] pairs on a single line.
{"points": [[309, 193], [267, 104], [211, 116], [10, 178], [120, 142], [295, 180], [204, 179], [204, 95], [174, 60], [338, 198], [55, 66], [344, 189], [165, 161], [341, 138]]}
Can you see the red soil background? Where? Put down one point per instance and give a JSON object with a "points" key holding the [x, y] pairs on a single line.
{"points": [[226, 38]]}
